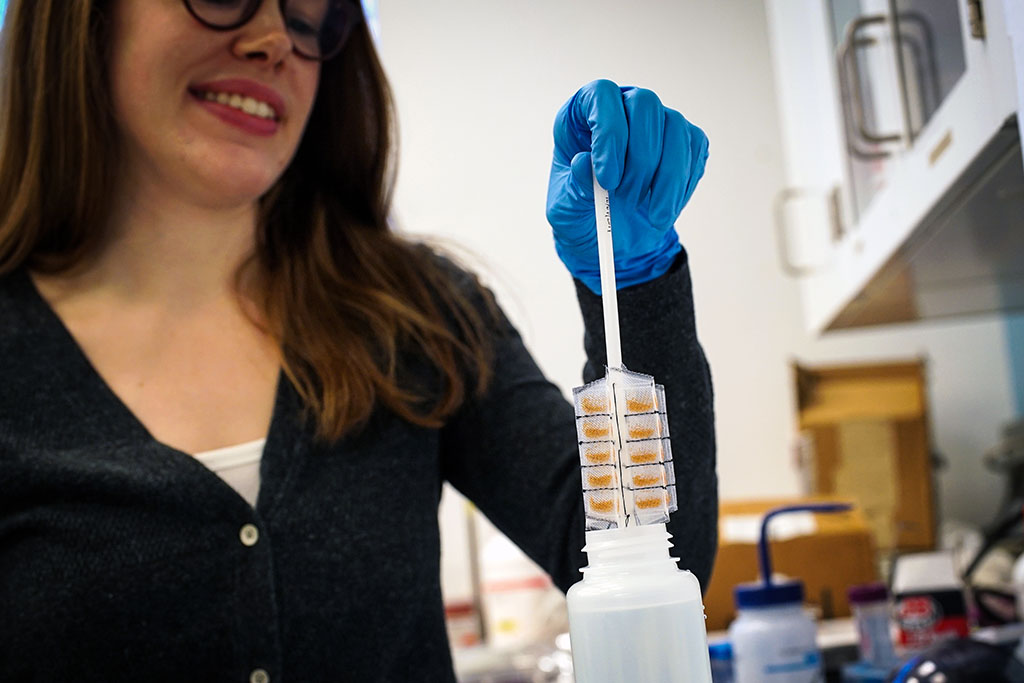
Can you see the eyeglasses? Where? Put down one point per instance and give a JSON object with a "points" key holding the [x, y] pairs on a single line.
{"points": [[318, 28]]}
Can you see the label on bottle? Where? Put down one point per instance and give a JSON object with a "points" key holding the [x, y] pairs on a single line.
{"points": [[783, 665], [926, 617], [793, 666]]}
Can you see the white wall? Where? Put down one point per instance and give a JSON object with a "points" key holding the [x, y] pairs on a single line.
{"points": [[478, 83]]}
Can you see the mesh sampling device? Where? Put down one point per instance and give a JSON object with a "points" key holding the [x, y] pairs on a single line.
{"points": [[621, 423]]}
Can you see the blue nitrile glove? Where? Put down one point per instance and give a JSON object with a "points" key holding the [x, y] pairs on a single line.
{"points": [[648, 157]]}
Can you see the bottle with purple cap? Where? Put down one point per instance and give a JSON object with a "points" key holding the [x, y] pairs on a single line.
{"points": [[871, 612]]}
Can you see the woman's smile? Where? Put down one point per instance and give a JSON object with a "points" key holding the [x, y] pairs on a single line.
{"points": [[242, 103]]}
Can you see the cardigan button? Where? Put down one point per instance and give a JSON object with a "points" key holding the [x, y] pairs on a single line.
{"points": [[249, 535], [259, 676]]}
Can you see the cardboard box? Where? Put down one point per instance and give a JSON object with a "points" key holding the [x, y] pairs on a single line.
{"points": [[866, 430], [828, 552]]}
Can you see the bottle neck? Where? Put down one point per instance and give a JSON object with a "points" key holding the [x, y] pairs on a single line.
{"points": [[632, 549]]}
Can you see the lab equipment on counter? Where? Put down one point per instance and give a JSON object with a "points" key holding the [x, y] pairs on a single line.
{"points": [[721, 662], [829, 553], [462, 624], [635, 616], [871, 610], [930, 604], [545, 661], [1017, 578], [773, 638], [520, 604], [962, 660], [994, 589], [865, 672], [871, 613]]}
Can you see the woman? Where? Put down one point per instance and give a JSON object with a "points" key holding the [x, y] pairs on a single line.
{"points": [[195, 254]]}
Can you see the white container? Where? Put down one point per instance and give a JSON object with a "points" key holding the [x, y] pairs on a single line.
{"points": [[517, 596], [635, 616], [773, 638], [929, 599], [871, 612]]}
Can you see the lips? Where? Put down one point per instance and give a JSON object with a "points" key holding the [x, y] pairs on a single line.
{"points": [[243, 88]]}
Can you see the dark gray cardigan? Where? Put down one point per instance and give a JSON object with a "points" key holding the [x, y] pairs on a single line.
{"points": [[122, 559]]}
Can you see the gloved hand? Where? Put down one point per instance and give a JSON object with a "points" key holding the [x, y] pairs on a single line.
{"points": [[648, 157]]}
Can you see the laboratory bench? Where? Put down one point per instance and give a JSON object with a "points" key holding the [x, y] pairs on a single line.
{"points": [[552, 662]]}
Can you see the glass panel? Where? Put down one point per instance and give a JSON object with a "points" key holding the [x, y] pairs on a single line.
{"points": [[870, 104], [932, 52], [931, 38]]}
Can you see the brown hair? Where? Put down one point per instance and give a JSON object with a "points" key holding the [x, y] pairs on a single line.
{"points": [[352, 304]]}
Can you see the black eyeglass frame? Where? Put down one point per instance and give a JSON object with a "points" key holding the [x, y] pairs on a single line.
{"points": [[351, 9]]}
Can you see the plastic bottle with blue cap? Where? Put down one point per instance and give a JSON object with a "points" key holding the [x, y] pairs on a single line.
{"points": [[773, 638], [721, 662]]}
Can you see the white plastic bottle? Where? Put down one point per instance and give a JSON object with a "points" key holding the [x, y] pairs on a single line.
{"points": [[636, 616], [773, 639], [516, 596]]}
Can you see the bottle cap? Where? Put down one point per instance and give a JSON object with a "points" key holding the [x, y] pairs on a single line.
{"points": [[720, 651], [773, 594], [867, 593]]}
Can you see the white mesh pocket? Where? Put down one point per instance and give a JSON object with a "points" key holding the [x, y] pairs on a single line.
{"points": [[651, 506], [643, 452], [638, 390], [596, 454], [643, 427], [592, 399], [639, 402], [600, 477], [602, 505], [594, 428], [645, 476]]}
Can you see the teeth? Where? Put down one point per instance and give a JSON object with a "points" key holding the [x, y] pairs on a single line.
{"points": [[249, 105]]}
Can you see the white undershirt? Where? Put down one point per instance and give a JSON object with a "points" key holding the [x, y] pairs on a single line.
{"points": [[238, 465]]}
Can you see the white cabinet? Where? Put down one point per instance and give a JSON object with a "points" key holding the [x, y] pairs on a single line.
{"points": [[905, 195]]}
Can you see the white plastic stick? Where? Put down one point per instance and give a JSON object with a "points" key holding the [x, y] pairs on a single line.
{"points": [[606, 259], [613, 348]]}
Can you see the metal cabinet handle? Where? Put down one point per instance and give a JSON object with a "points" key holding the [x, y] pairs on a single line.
{"points": [[925, 55], [786, 195], [901, 74], [925, 66], [847, 63]]}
